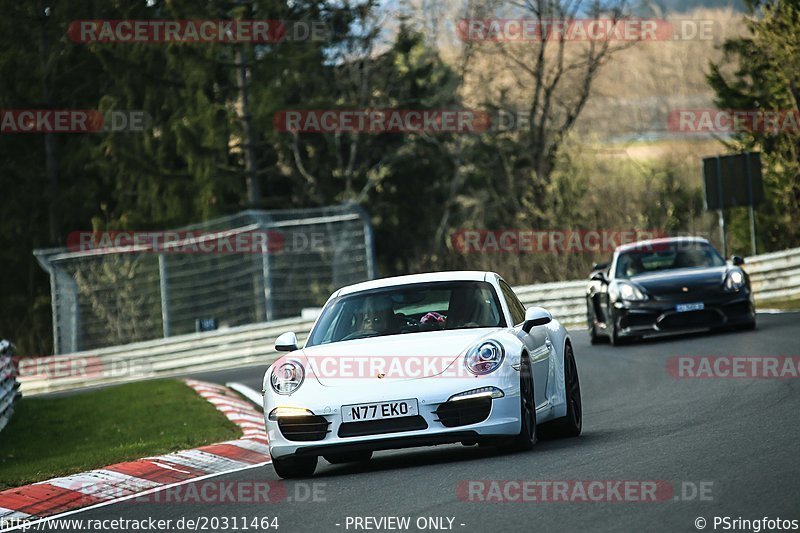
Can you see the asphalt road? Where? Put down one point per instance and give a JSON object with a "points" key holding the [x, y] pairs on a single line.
{"points": [[738, 439]]}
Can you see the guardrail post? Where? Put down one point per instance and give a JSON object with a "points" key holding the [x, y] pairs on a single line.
{"points": [[164, 288], [267, 275]]}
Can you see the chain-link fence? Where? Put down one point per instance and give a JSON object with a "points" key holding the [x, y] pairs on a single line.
{"points": [[105, 295]]}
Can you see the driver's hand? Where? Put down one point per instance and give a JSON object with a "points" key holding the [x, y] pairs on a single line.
{"points": [[433, 318]]}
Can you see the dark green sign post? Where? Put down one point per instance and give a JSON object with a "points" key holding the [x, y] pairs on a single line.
{"points": [[733, 181]]}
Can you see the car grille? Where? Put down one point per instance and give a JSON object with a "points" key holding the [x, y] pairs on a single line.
{"points": [[633, 320], [694, 295], [689, 319], [304, 428], [387, 425], [464, 412]]}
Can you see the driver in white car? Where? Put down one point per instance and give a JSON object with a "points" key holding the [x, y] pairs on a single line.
{"points": [[378, 316]]}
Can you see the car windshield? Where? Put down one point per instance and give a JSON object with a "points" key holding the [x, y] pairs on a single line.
{"points": [[409, 309], [666, 256]]}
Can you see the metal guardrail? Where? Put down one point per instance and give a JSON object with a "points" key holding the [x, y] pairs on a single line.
{"points": [[773, 276], [564, 299], [196, 352], [9, 393]]}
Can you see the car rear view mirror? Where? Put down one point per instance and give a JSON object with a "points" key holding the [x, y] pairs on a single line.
{"points": [[286, 342], [536, 316]]}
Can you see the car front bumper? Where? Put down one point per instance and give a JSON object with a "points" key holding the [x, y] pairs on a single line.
{"points": [[331, 435], [661, 317]]}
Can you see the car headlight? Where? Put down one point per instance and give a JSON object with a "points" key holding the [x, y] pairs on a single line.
{"points": [[734, 280], [626, 291], [287, 377], [485, 358]]}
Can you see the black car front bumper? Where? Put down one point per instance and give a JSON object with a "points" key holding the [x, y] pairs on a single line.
{"points": [[660, 315]]}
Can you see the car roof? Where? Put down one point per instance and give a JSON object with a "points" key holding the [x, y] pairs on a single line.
{"points": [[655, 242], [456, 275]]}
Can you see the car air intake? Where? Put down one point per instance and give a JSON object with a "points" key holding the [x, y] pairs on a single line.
{"points": [[705, 318], [303, 428], [464, 412]]}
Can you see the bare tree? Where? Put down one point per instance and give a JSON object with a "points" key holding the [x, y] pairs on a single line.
{"points": [[553, 73], [357, 85], [550, 78]]}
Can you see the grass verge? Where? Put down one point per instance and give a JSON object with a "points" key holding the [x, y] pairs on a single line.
{"points": [[789, 304], [56, 436]]}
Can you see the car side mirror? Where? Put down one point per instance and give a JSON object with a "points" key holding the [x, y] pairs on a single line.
{"points": [[737, 260], [286, 342], [536, 316], [599, 276]]}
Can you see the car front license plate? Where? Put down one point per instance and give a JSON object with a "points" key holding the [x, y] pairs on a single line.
{"points": [[378, 411], [682, 308]]}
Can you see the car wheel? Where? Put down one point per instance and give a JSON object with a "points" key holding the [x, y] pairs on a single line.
{"points": [[615, 339], [528, 434], [593, 339], [351, 457], [572, 424], [294, 467]]}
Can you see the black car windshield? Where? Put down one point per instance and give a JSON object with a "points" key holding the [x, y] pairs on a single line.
{"points": [[409, 309], [666, 256]]}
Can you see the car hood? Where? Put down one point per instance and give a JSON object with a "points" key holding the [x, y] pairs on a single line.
{"points": [[396, 357], [674, 280]]}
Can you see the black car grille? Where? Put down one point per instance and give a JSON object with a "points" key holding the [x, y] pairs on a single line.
{"points": [[633, 320], [387, 425], [303, 428], [464, 412], [692, 295], [689, 319]]}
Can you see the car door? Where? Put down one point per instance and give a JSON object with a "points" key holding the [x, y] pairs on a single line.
{"points": [[537, 342]]}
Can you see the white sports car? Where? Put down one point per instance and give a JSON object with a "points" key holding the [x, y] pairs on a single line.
{"points": [[419, 360]]}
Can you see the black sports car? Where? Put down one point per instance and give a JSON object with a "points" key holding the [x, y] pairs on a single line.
{"points": [[665, 286]]}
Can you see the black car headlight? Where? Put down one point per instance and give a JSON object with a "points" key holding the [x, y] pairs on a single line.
{"points": [[622, 290], [485, 358], [734, 280], [287, 377]]}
